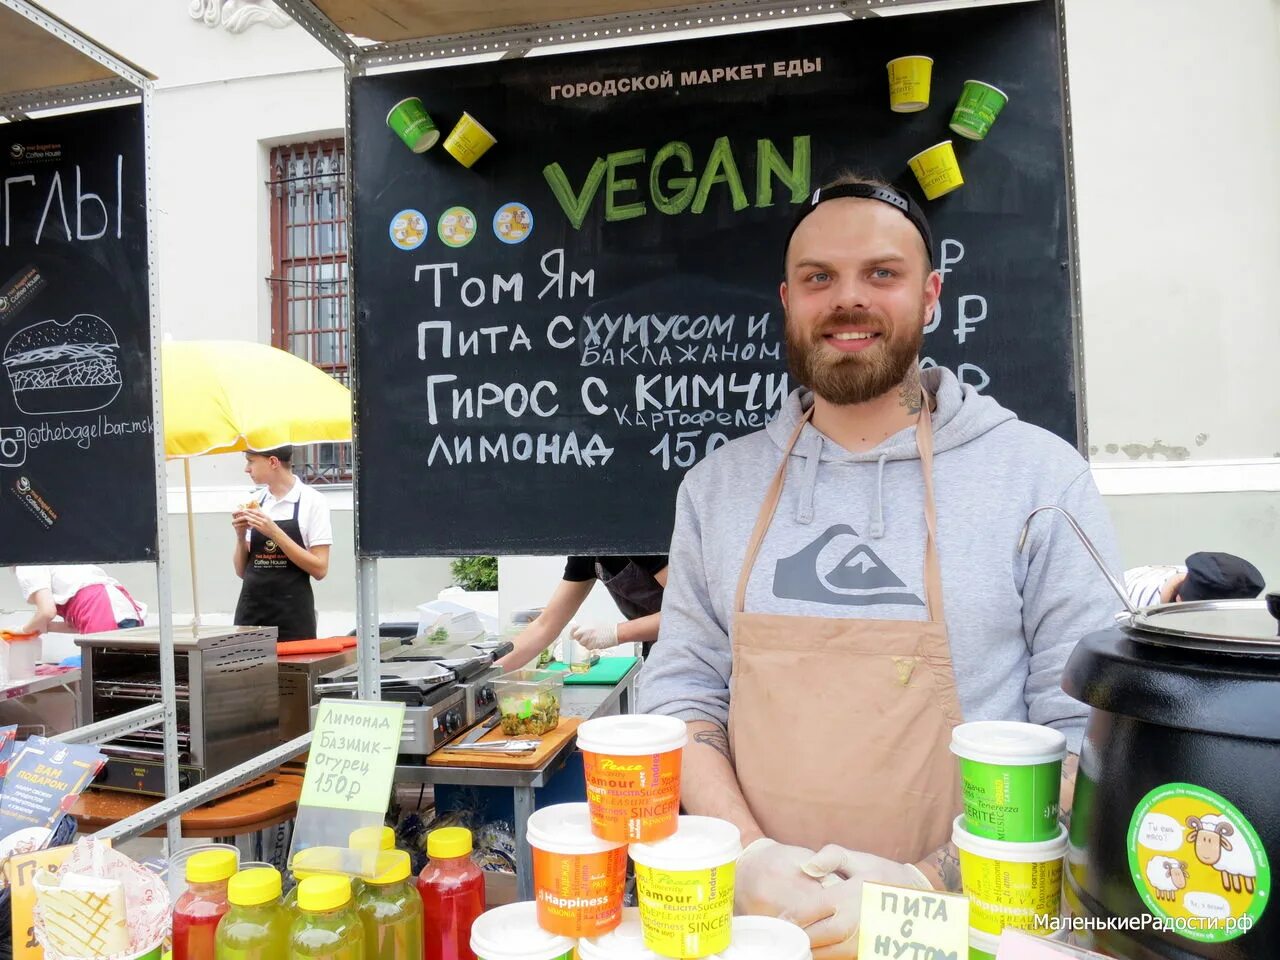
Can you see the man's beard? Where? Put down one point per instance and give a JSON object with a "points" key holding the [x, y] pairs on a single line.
{"points": [[845, 378]]}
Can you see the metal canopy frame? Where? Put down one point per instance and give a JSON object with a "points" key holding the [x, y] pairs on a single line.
{"points": [[518, 40], [129, 82]]}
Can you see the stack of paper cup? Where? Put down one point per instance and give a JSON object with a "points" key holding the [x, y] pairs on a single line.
{"points": [[578, 878], [1010, 841], [685, 885], [512, 933]]}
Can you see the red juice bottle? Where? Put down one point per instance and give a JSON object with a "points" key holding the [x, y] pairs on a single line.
{"points": [[452, 888], [202, 904]]}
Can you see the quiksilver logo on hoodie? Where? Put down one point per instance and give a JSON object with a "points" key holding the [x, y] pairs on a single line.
{"points": [[838, 568]]}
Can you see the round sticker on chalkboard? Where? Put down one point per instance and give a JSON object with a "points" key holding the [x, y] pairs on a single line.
{"points": [[513, 223], [408, 229], [457, 227]]}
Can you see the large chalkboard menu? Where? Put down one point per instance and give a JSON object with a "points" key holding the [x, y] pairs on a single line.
{"points": [[547, 340], [76, 456]]}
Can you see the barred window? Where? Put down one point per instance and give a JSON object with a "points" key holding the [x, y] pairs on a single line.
{"points": [[309, 278]]}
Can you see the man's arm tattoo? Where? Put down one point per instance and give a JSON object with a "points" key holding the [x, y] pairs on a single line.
{"points": [[717, 740], [947, 861]]}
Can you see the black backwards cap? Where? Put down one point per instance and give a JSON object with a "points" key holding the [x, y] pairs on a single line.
{"points": [[902, 201]]}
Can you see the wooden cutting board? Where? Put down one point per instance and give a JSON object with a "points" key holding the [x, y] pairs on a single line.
{"points": [[525, 761]]}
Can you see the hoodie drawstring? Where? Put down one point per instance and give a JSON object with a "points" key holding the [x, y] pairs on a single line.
{"points": [[877, 505], [809, 481]]}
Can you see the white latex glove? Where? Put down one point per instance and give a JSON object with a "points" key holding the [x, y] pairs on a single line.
{"points": [[832, 925], [770, 881], [596, 636]]}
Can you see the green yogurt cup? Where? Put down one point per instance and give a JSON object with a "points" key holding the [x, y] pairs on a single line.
{"points": [[982, 946], [1011, 778], [976, 111], [412, 124]]}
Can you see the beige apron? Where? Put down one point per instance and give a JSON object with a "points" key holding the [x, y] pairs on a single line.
{"points": [[840, 728]]}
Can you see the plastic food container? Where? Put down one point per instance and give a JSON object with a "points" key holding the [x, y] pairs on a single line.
{"points": [[1011, 778], [624, 942], [578, 878], [529, 702], [685, 887], [1010, 884], [512, 933], [766, 938], [632, 768]]}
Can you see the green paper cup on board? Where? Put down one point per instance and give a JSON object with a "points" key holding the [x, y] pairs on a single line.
{"points": [[412, 124], [982, 946], [468, 141], [977, 109], [909, 80], [937, 169], [1010, 779]]}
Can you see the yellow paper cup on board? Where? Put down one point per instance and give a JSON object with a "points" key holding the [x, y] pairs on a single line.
{"points": [[909, 79], [468, 141], [1010, 884], [684, 885], [937, 170]]}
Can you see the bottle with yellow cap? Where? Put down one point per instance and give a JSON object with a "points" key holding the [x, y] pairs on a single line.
{"points": [[327, 926], [197, 912], [256, 927], [373, 840], [452, 889], [312, 862], [391, 909]]}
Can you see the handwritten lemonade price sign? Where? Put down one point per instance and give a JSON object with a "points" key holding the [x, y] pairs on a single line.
{"points": [[75, 391], [547, 340], [900, 922], [353, 755]]}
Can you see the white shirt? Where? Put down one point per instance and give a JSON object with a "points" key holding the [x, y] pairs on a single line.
{"points": [[65, 581], [1143, 584], [313, 513]]}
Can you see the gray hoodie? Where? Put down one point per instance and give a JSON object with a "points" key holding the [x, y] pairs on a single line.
{"points": [[855, 522]]}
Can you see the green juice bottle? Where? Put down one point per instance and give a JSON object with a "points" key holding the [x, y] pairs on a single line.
{"points": [[327, 926], [391, 909], [256, 927]]}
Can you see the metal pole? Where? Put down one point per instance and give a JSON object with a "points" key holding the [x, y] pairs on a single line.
{"points": [[168, 680], [368, 654], [191, 548]]}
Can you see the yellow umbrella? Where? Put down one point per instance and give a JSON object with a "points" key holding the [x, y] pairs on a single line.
{"points": [[224, 396]]}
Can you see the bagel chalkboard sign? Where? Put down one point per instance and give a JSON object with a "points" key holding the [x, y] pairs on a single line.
{"points": [[76, 458]]}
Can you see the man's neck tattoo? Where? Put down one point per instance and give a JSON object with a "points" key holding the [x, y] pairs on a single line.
{"points": [[909, 393]]}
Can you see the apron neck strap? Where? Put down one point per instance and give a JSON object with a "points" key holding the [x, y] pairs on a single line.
{"points": [[932, 566], [767, 510]]}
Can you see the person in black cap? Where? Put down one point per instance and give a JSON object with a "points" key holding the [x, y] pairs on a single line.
{"points": [[1206, 576]]}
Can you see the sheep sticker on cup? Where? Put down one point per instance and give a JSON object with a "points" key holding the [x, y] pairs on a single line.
{"points": [[1196, 860], [468, 141]]}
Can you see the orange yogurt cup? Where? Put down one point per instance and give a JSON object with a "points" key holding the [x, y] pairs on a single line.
{"points": [[578, 878], [632, 767]]}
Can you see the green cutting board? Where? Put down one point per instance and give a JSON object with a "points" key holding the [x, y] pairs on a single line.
{"points": [[606, 672]]}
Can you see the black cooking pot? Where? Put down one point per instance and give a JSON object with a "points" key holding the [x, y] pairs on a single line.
{"points": [[1177, 804]]}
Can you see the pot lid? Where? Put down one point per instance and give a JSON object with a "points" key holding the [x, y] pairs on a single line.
{"points": [[1223, 626]]}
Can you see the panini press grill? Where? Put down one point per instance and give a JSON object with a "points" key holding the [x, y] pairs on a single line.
{"points": [[445, 689]]}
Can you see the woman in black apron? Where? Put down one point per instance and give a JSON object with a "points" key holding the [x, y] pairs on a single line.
{"points": [[636, 585], [276, 591], [279, 563]]}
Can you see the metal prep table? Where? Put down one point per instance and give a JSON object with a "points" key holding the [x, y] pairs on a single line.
{"points": [[52, 693], [578, 700]]}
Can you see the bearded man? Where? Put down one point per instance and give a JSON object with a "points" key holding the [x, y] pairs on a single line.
{"points": [[846, 585]]}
